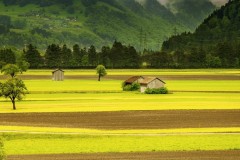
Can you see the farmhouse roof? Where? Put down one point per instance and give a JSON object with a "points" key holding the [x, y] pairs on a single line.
{"points": [[133, 79], [150, 79], [57, 70]]}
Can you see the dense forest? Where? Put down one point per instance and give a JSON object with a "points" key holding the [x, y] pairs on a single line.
{"points": [[56, 56], [215, 43], [143, 24]]}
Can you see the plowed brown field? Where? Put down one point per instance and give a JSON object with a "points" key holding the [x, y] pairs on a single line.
{"points": [[128, 119], [192, 155]]}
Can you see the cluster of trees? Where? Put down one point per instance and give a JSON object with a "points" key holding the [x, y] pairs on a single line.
{"points": [[224, 54], [215, 43], [55, 56]]}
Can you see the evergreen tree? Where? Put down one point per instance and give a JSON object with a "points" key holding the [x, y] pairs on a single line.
{"points": [[92, 56], [66, 56], [104, 56], [77, 56], [33, 57], [53, 56]]}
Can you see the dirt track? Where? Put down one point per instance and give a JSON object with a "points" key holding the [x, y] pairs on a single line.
{"points": [[193, 155], [128, 119]]}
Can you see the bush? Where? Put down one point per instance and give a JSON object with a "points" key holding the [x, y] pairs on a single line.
{"points": [[132, 87], [162, 90], [2, 154]]}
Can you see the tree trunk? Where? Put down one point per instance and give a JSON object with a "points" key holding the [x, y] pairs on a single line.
{"points": [[14, 106], [99, 77]]}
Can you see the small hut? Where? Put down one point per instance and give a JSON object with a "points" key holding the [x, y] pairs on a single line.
{"points": [[134, 79], [151, 82], [58, 75]]}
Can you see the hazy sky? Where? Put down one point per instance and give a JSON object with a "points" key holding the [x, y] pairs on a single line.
{"points": [[216, 2]]}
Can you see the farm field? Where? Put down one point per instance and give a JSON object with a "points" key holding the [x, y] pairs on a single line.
{"points": [[81, 117]]}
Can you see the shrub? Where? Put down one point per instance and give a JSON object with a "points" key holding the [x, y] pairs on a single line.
{"points": [[2, 153], [132, 87], [162, 90]]}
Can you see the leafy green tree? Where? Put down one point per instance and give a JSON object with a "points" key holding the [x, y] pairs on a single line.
{"points": [[23, 66], [33, 57], [101, 71], [2, 153], [14, 89], [10, 69]]}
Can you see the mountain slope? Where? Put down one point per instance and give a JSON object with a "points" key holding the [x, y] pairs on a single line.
{"points": [[216, 39], [98, 22]]}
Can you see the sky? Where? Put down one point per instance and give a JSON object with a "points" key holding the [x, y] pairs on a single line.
{"points": [[216, 2]]}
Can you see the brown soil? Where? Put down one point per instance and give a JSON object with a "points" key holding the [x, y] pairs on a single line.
{"points": [[124, 77], [128, 119], [192, 155]]}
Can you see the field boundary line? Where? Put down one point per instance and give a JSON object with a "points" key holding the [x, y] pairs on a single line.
{"points": [[123, 134]]}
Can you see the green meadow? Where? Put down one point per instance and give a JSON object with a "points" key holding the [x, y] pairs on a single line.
{"points": [[96, 102], [86, 94], [18, 144]]}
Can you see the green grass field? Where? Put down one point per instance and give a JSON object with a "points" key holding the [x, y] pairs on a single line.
{"points": [[157, 72], [91, 102], [88, 95], [17, 144]]}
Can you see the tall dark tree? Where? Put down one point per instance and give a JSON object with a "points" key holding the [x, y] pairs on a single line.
{"points": [[53, 56], [92, 56], [33, 57], [66, 56], [103, 57], [7, 56], [77, 56], [116, 54]]}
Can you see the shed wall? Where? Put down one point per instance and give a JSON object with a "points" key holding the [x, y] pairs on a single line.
{"points": [[58, 76]]}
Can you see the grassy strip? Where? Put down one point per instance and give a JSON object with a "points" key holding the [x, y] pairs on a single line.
{"points": [[157, 72], [115, 85], [46, 130], [19, 144], [95, 102]]}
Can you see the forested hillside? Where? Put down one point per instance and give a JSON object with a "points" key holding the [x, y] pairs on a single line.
{"points": [[144, 24], [215, 43]]}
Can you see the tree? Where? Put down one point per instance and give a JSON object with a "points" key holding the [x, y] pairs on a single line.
{"points": [[32, 56], [14, 89], [92, 56], [53, 56], [77, 57], [66, 56], [2, 153], [23, 65], [101, 71], [10, 69], [7, 56]]}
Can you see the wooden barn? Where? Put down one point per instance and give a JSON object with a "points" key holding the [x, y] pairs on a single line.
{"points": [[58, 75], [134, 79], [151, 82]]}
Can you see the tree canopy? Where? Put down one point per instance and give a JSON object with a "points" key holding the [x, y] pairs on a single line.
{"points": [[101, 71], [14, 89]]}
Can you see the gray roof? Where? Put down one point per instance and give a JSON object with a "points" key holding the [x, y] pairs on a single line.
{"points": [[150, 79]]}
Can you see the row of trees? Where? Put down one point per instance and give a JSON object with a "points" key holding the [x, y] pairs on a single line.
{"points": [[224, 54], [55, 56]]}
